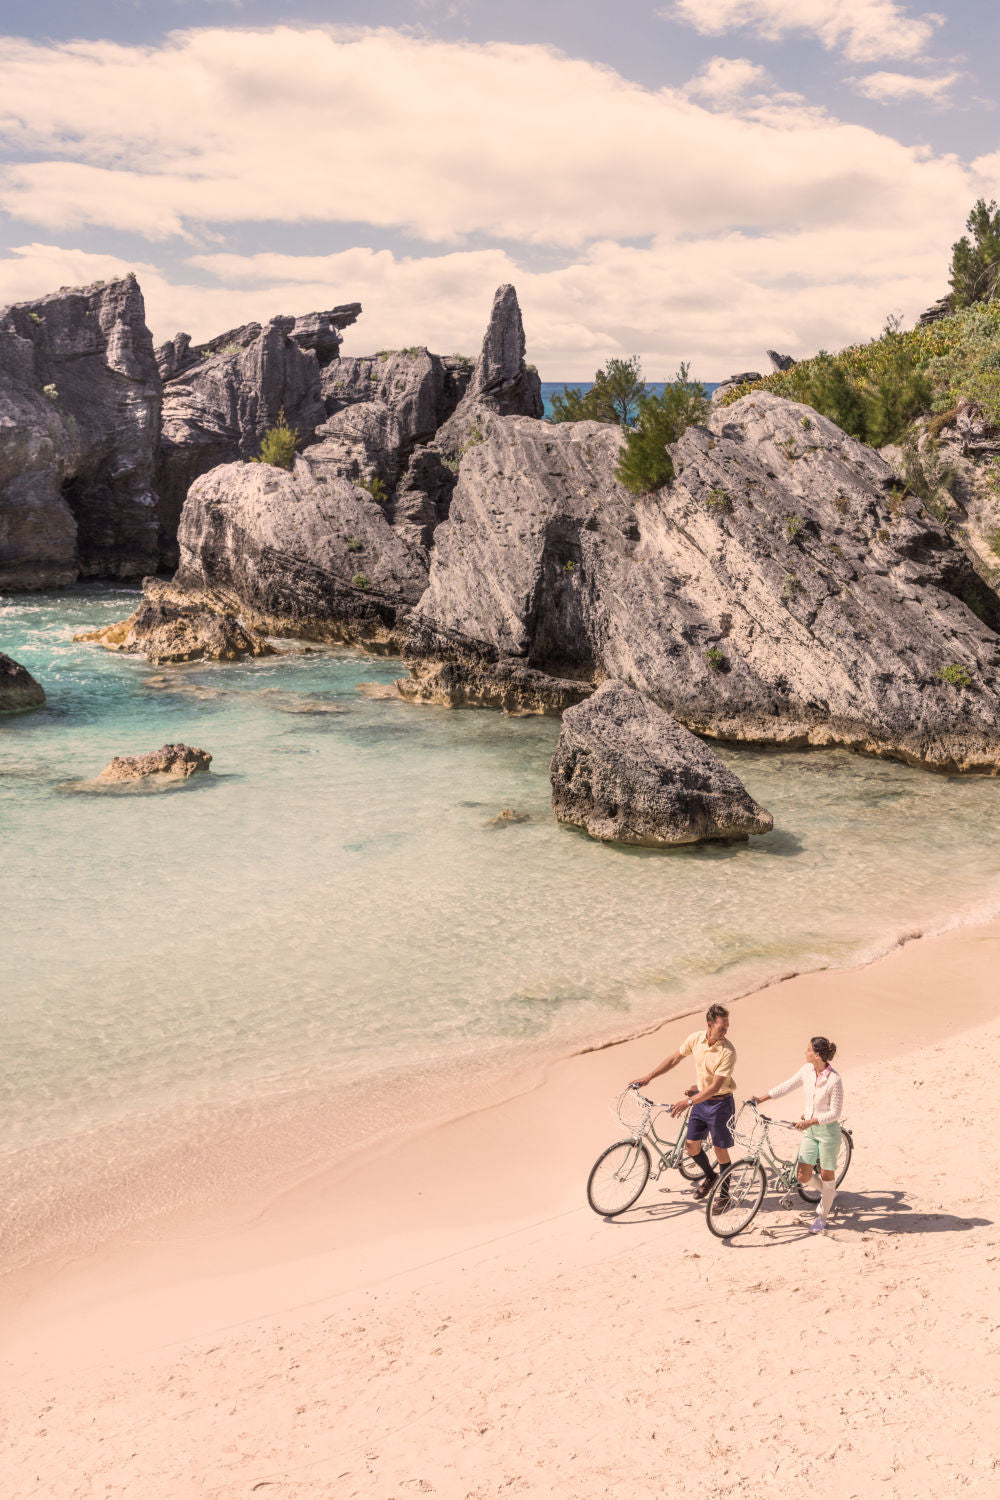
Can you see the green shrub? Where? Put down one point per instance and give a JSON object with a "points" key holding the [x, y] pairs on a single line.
{"points": [[36, 317], [51, 392], [719, 500], [968, 367], [715, 658], [872, 391], [360, 580], [354, 544], [644, 463], [790, 587], [569, 566], [278, 444], [956, 674], [793, 525], [375, 488], [993, 541]]}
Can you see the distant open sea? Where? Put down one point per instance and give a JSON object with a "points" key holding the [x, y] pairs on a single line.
{"points": [[551, 388]]}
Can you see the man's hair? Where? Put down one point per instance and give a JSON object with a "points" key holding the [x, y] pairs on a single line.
{"points": [[715, 1013]]}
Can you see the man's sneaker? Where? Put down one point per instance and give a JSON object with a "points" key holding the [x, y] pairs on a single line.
{"points": [[817, 1226], [704, 1188]]}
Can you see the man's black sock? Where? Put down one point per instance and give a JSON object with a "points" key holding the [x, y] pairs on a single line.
{"points": [[724, 1189], [704, 1165]]}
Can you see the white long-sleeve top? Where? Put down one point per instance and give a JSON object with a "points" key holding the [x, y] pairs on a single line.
{"points": [[824, 1093]]}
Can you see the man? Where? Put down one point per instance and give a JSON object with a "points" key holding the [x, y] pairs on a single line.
{"points": [[711, 1101]]}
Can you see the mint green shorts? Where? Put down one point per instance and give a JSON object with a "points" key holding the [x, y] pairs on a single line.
{"points": [[822, 1142]]}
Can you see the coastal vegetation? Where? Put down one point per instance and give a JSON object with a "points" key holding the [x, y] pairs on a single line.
{"points": [[616, 395], [975, 258], [644, 464], [278, 444]]}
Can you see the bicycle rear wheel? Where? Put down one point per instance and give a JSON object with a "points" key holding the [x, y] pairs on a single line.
{"points": [[730, 1212], [617, 1178], [810, 1194]]}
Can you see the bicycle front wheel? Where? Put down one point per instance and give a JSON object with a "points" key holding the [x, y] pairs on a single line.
{"points": [[735, 1198], [617, 1178], [810, 1194]]}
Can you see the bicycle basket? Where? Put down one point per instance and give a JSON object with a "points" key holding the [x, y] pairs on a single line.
{"points": [[748, 1127], [633, 1110]]}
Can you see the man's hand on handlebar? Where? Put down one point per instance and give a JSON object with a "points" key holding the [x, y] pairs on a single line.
{"points": [[680, 1106]]}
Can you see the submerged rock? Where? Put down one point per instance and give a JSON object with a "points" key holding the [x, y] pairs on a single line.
{"points": [[79, 426], [18, 689], [507, 815], [781, 589], [171, 762], [166, 629], [628, 773]]}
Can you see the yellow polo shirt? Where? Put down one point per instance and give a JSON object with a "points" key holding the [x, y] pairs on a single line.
{"points": [[711, 1061]]}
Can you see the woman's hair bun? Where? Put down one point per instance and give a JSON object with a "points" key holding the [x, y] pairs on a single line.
{"points": [[824, 1048]]}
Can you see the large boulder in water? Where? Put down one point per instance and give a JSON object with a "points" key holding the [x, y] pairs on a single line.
{"points": [[628, 773], [18, 689], [79, 426], [781, 589]]}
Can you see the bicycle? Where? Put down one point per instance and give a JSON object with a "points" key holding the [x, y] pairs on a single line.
{"points": [[733, 1209], [620, 1173]]}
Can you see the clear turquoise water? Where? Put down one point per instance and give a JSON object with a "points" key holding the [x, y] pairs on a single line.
{"points": [[329, 930]]}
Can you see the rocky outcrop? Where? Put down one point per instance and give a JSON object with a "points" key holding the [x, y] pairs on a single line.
{"points": [[218, 406], [937, 310], [780, 362], [298, 553], [630, 774], [781, 589], [170, 762], [18, 689], [168, 630], [79, 426], [510, 686], [338, 547], [732, 381]]}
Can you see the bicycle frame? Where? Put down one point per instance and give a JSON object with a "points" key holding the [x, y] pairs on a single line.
{"points": [[782, 1174], [663, 1154]]}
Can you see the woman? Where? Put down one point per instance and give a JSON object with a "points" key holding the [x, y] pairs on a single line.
{"points": [[820, 1123]]}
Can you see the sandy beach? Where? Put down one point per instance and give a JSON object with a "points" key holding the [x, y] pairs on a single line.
{"points": [[449, 1318]]}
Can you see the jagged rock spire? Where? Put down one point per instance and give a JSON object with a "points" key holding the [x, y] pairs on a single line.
{"points": [[501, 379]]}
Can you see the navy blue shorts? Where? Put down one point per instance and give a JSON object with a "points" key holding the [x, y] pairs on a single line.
{"points": [[714, 1117]]}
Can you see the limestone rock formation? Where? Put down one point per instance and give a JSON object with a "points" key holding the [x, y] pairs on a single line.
{"points": [[501, 380], [168, 630], [628, 773], [79, 426], [298, 553], [510, 686], [780, 362], [18, 689], [780, 590], [732, 381], [172, 762], [940, 309], [217, 407]]}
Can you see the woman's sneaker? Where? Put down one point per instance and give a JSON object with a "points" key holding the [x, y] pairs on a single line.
{"points": [[817, 1226]]}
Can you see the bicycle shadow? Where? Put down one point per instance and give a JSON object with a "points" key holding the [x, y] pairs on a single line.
{"points": [[885, 1212], [651, 1213]]}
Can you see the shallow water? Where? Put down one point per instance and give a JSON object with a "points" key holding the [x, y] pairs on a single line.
{"points": [[330, 922]]}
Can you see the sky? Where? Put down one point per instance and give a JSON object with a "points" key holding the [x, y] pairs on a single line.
{"points": [[694, 180]]}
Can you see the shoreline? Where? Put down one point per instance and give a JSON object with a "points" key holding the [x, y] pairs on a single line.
{"points": [[237, 1131], [494, 1169]]}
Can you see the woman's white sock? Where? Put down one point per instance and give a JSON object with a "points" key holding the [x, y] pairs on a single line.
{"points": [[829, 1192]]}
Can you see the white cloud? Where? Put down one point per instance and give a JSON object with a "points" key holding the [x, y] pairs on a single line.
{"points": [[441, 140], [863, 29], [683, 231], [725, 79], [893, 88]]}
